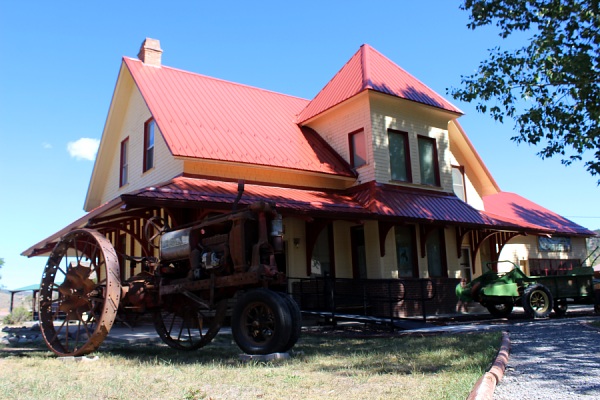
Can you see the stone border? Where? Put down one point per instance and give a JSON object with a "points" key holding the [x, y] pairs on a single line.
{"points": [[485, 386]]}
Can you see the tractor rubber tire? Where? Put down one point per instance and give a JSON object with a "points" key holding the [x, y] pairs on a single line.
{"points": [[560, 307], [500, 310], [261, 322], [296, 320], [537, 301]]}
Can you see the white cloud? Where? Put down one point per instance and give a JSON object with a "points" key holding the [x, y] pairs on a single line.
{"points": [[46, 145], [83, 149]]}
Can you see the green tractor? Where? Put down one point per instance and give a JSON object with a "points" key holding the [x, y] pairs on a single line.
{"points": [[538, 295]]}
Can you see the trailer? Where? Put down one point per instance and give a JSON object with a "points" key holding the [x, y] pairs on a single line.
{"points": [[538, 295], [221, 267]]}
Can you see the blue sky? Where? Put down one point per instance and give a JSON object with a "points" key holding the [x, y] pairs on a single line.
{"points": [[60, 61]]}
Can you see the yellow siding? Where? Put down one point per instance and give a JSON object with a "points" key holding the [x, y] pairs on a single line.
{"points": [[335, 125], [342, 249], [296, 257], [165, 166], [390, 113], [374, 262], [473, 197], [451, 255], [522, 248]]}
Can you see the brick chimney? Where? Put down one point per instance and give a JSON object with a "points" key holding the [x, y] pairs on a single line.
{"points": [[150, 52]]}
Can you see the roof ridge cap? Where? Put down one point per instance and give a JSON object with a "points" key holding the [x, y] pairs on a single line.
{"points": [[364, 61], [222, 80]]}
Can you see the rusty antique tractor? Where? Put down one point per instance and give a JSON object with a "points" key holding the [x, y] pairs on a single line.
{"points": [[220, 267]]}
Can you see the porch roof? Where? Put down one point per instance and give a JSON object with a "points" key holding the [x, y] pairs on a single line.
{"points": [[428, 206], [185, 189], [512, 207], [365, 201]]}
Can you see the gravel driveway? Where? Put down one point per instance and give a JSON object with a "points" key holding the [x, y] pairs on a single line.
{"points": [[552, 359]]}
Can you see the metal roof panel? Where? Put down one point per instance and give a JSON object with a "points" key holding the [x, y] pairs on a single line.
{"points": [[369, 69], [204, 117]]}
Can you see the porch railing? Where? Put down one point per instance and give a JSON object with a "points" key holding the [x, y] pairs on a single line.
{"points": [[384, 298]]}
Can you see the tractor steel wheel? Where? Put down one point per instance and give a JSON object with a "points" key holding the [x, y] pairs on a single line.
{"points": [[500, 310], [537, 301], [560, 307], [79, 293], [261, 322], [184, 325]]}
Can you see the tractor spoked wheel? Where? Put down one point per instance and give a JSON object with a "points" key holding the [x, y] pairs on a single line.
{"points": [[537, 301], [183, 325], [79, 293], [262, 322]]}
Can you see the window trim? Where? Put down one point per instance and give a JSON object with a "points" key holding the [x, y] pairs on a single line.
{"points": [[124, 163], [436, 162], [407, 160], [147, 147], [352, 150]]}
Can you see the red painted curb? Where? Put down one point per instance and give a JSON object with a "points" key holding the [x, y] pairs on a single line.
{"points": [[485, 386]]}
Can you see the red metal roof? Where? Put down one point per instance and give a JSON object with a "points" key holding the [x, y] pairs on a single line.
{"points": [[369, 69], [204, 117], [211, 191], [512, 207], [367, 201], [422, 205]]}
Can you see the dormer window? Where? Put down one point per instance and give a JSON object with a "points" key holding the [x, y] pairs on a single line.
{"points": [[399, 156], [358, 149], [149, 128], [428, 161]]}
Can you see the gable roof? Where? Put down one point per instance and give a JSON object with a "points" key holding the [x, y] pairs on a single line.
{"points": [[512, 207], [370, 70], [209, 118]]}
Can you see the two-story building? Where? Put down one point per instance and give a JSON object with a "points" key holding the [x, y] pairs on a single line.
{"points": [[374, 177]]}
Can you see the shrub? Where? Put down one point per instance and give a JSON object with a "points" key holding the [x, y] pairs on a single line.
{"points": [[18, 315]]}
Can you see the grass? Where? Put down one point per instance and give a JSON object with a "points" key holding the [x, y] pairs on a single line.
{"points": [[322, 367]]}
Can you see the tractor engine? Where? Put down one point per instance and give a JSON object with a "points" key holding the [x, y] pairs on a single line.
{"points": [[236, 242]]}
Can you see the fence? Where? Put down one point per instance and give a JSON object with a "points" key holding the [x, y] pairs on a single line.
{"points": [[383, 298]]}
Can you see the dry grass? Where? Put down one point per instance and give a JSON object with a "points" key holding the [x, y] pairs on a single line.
{"points": [[322, 367]]}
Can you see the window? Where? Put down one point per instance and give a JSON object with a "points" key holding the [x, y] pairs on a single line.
{"points": [[322, 257], [405, 251], [149, 129], [458, 182], [436, 254], [124, 164], [358, 149], [359, 252], [399, 156], [428, 161], [551, 267]]}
